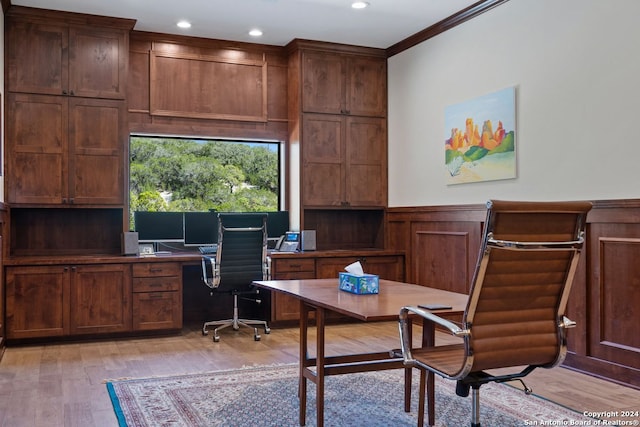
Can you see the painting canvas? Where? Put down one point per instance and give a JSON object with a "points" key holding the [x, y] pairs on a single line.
{"points": [[480, 142]]}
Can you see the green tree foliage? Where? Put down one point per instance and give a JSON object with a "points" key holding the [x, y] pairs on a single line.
{"points": [[188, 175]]}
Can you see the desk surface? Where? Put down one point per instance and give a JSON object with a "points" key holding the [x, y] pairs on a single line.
{"points": [[382, 306]]}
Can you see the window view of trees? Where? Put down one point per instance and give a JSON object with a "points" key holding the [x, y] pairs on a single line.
{"points": [[169, 174]]}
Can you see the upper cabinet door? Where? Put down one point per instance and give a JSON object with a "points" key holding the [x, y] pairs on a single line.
{"points": [[37, 57], [344, 84], [97, 62], [323, 83], [55, 59], [367, 86]]}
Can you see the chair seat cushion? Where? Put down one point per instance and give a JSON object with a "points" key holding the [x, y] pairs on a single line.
{"points": [[447, 360]]}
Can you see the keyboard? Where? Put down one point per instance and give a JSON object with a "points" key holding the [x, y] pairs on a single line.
{"points": [[208, 250]]}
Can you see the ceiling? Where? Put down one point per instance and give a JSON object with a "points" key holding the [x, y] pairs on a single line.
{"points": [[382, 24]]}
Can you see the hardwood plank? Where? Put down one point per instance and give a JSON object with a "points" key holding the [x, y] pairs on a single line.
{"points": [[63, 383]]}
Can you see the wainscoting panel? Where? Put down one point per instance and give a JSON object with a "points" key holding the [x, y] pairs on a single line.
{"points": [[443, 260]]}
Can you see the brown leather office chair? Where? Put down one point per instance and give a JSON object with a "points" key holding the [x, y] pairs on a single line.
{"points": [[515, 313]]}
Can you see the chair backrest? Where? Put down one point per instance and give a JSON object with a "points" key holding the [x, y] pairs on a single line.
{"points": [[242, 250], [527, 262]]}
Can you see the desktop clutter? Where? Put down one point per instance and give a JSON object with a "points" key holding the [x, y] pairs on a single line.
{"points": [[356, 281]]}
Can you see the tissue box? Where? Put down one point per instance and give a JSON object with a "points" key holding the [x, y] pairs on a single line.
{"points": [[365, 284]]}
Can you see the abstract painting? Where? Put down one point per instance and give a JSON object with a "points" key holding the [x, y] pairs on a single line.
{"points": [[480, 140]]}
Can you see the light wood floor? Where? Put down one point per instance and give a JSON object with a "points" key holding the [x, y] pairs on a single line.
{"points": [[63, 384]]}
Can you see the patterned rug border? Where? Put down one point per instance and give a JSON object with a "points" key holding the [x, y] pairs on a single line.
{"points": [[287, 371]]}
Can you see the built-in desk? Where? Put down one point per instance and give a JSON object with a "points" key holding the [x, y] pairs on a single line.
{"points": [[93, 295], [96, 295]]}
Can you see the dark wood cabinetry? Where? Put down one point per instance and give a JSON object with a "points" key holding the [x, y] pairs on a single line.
{"points": [[63, 150], [100, 298], [285, 307], [326, 264], [337, 113], [337, 83], [58, 300], [157, 296], [344, 161], [58, 58], [66, 109]]}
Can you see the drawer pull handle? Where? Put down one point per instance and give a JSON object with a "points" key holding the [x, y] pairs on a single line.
{"points": [[157, 295], [155, 270]]}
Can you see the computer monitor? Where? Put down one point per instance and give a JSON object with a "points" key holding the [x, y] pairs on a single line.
{"points": [[200, 228], [277, 224], [159, 226]]}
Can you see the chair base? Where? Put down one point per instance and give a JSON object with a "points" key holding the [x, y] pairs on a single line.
{"points": [[235, 322]]}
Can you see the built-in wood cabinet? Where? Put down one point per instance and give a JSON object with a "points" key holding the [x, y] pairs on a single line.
{"points": [[389, 267], [323, 265], [344, 135], [285, 307], [157, 296], [58, 58], [59, 300], [65, 150], [99, 298], [344, 161], [335, 83], [338, 116]]}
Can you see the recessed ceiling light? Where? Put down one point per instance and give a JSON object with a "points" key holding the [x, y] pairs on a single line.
{"points": [[359, 4], [255, 32], [184, 24]]}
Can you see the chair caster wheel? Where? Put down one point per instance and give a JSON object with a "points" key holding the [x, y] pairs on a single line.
{"points": [[236, 328], [205, 332], [256, 337], [216, 339], [267, 330]]}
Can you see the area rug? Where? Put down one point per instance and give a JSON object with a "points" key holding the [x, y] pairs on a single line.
{"points": [[267, 396]]}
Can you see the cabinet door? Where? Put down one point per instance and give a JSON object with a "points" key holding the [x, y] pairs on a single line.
{"points": [[323, 160], [100, 298], [323, 83], [97, 62], [37, 301], [366, 162], [37, 57], [366, 86], [37, 130], [96, 151]]}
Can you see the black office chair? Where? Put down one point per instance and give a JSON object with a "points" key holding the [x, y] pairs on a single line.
{"points": [[515, 315], [240, 259]]}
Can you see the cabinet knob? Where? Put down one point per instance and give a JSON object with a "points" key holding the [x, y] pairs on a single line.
{"points": [[64, 91]]}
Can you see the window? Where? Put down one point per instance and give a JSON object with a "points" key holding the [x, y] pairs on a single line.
{"points": [[197, 175]]}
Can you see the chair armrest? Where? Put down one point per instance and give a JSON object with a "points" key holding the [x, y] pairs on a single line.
{"points": [[403, 326], [213, 281], [425, 314]]}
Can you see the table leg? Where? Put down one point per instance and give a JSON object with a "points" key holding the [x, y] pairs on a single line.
{"points": [[429, 340], [304, 357], [320, 317]]}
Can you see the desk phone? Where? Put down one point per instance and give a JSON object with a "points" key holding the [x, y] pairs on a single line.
{"points": [[289, 242]]}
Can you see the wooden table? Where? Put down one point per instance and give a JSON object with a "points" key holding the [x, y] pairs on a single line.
{"points": [[322, 295]]}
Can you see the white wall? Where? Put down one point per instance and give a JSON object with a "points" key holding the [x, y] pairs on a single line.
{"points": [[576, 68]]}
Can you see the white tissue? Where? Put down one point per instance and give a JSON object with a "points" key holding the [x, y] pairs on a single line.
{"points": [[355, 268]]}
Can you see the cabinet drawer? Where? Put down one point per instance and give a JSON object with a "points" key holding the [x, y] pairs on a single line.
{"points": [[289, 275], [294, 265], [156, 269], [156, 284]]}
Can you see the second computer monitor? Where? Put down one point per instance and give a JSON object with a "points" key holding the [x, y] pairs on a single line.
{"points": [[200, 228]]}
